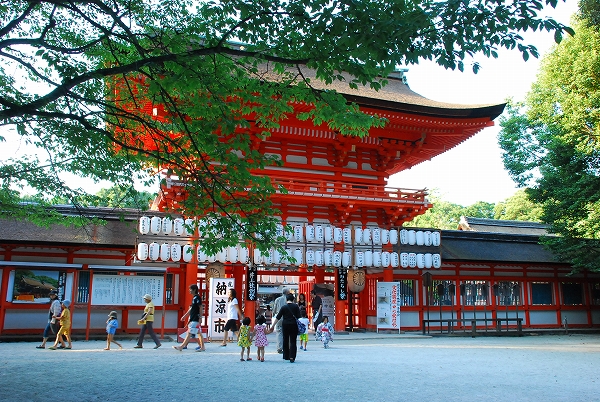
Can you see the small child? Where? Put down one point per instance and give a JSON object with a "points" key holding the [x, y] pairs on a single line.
{"points": [[260, 337], [65, 326], [325, 332], [304, 336], [245, 339], [111, 329]]}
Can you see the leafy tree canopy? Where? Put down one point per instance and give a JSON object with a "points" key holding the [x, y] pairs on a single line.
{"points": [[519, 207], [119, 90], [550, 144]]}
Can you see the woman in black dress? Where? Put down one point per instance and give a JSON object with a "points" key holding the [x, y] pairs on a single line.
{"points": [[302, 301], [288, 315]]}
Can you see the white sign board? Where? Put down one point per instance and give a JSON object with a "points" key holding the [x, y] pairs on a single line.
{"points": [[388, 305], [328, 308], [126, 290], [217, 302]]}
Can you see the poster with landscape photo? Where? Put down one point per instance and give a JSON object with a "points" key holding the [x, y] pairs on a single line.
{"points": [[34, 286]]}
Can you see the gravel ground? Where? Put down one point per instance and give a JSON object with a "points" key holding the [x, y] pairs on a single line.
{"points": [[363, 367]]}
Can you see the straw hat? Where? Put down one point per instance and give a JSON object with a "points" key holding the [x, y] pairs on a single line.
{"points": [[147, 297]]}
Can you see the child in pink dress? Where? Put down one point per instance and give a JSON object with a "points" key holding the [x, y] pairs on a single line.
{"points": [[260, 337]]}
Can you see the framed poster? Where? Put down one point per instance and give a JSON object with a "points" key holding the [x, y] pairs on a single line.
{"points": [[388, 305], [34, 286], [217, 303], [126, 290]]}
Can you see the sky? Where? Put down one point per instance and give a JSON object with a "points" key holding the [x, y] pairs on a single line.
{"points": [[473, 171]]}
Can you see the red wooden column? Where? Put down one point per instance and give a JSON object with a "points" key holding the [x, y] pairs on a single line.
{"points": [[239, 274], [191, 278]]}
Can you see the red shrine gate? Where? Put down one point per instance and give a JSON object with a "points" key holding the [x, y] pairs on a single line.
{"points": [[341, 181]]}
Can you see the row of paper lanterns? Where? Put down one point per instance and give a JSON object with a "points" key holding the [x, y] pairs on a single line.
{"points": [[310, 233], [329, 258]]}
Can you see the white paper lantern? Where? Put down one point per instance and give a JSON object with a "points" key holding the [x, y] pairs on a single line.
{"points": [[286, 257], [337, 258], [404, 260], [202, 228], [310, 257], [175, 252], [319, 258], [427, 235], [154, 251], [328, 234], [376, 258], [279, 230], [412, 237], [385, 236], [201, 255], [165, 252], [435, 239], [298, 256], [328, 258], [420, 261], [346, 259], [232, 254], [144, 226], [269, 259], [412, 260], [420, 238], [437, 261], [394, 259], [358, 235], [428, 260], [243, 255], [359, 258], [376, 234], [178, 226], [276, 257], [347, 234], [155, 224], [222, 255], [338, 235], [213, 258], [319, 233], [310, 233], [189, 227], [166, 225], [368, 258], [403, 236], [366, 237], [257, 256], [142, 251], [385, 259], [289, 233], [393, 236], [299, 233], [187, 253]]}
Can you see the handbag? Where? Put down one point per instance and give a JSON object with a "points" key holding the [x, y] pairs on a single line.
{"points": [[301, 326]]}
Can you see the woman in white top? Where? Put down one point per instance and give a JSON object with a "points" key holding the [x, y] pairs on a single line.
{"points": [[233, 315]]}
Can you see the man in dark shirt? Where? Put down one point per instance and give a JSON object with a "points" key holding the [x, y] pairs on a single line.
{"points": [[193, 316], [317, 308]]}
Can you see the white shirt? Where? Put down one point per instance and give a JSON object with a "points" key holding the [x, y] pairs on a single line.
{"points": [[232, 313]]}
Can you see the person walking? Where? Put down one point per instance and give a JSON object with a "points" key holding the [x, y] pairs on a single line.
{"points": [[277, 305], [65, 326], [317, 309], [233, 315], [288, 315], [52, 325], [111, 329], [325, 332], [147, 321], [304, 336], [193, 316]]}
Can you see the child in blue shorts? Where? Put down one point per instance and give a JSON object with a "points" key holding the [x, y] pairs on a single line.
{"points": [[304, 336], [111, 330]]}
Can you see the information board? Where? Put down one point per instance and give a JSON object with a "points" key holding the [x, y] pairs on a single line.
{"points": [[126, 290], [388, 305]]}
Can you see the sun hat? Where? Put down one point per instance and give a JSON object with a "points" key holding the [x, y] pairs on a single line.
{"points": [[113, 314], [147, 297], [67, 303]]}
